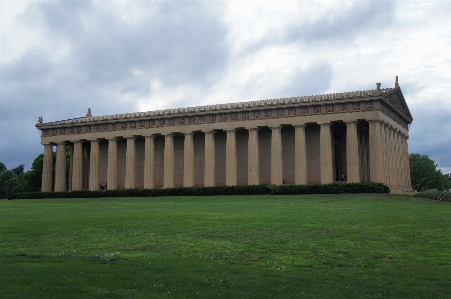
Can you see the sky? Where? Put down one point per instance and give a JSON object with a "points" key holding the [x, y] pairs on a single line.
{"points": [[59, 58]]}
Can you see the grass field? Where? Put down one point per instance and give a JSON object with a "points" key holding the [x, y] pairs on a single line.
{"points": [[309, 246]]}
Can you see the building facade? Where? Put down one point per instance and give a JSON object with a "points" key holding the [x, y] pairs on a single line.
{"points": [[356, 136]]}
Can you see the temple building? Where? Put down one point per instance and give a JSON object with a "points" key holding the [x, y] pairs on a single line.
{"points": [[358, 136]]}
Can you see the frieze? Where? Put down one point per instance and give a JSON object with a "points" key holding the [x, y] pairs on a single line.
{"points": [[142, 124], [317, 110], [329, 109], [356, 107], [391, 96], [232, 117]]}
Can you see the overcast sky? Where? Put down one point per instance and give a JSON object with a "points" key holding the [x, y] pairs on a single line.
{"points": [[60, 57]]}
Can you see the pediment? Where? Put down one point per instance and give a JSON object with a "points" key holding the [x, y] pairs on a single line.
{"points": [[396, 99]]}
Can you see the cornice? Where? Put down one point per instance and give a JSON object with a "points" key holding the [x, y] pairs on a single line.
{"points": [[223, 108]]}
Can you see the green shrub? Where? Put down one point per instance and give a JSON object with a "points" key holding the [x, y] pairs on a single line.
{"points": [[442, 196], [217, 190]]}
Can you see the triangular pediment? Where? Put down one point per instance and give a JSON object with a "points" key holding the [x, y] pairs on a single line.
{"points": [[396, 99]]}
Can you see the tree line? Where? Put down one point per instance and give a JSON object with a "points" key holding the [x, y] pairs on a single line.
{"points": [[423, 173]]}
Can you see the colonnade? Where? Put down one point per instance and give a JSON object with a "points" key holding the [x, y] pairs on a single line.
{"points": [[388, 158]]}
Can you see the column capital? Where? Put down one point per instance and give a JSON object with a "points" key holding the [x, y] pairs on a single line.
{"points": [[77, 141], [113, 139], [188, 133], [94, 140], [252, 128], [230, 130], [324, 124], [351, 121], [130, 137], [299, 125], [209, 131], [275, 127], [61, 142], [373, 120]]}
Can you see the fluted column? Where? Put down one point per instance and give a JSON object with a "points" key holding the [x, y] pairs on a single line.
{"points": [[276, 156], [168, 161], [94, 166], [60, 167], [111, 175], [77, 170], [209, 173], [375, 150], [188, 160], [385, 153], [149, 161], [407, 166], [352, 152], [71, 164], [130, 161], [253, 157], [47, 168], [231, 164], [300, 156], [326, 154], [398, 160], [391, 159]]}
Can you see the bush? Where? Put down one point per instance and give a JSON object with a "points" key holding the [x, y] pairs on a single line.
{"points": [[218, 190], [443, 196]]}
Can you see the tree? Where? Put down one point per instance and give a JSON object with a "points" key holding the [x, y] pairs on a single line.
{"points": [[33, 177], [425, 175], [9, 181]]}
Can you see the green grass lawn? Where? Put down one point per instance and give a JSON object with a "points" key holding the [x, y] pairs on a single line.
{"points": [[302, 246]]}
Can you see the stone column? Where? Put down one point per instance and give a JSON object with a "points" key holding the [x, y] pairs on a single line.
{"points": [[210, 172], [276, 156], [375, 150], [231, 164], [130, 161], [300, 158], [94, 166], [326, 154], [398, 160], [77, 173], [60, 167], [188, 160], [391, 160], [407, 166], [253, 157], [168, 161], [71, 164], [352, 152], [385, 153], [149, 162], [111, 175], [47, 168]]}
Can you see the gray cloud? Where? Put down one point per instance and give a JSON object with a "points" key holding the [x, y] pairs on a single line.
{"points": [[107, 58], [335, 28], [363, 17]]}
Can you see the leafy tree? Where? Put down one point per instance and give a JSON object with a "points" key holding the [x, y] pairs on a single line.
{"points": [[425, 175], [33, 177], [19, 169], [9, 181]]}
